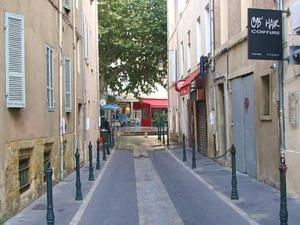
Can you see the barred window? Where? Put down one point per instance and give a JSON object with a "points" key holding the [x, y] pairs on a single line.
{"points": [[24, 173]]}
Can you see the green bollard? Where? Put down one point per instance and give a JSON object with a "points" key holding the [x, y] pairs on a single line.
{"points": [[183, 147], [103, 150], [91, 172], [163, 133], [283, 200], [168, 138], [194, 158], [50, 214], [157, 131], [234, 191], [98, 166], [78, 195], [107, 143]]}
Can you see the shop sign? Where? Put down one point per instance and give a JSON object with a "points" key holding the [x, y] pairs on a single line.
{"points": [[264, 34]]}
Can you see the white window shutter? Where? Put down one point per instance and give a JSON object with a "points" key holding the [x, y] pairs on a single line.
{"points": [[68, 85], [14, 60]]}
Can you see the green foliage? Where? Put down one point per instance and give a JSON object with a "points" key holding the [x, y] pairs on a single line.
{"points": [[133, 39]]}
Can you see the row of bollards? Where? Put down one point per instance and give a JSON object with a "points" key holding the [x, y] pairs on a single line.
{"points": [[234, 190], [161, 133], [110, 142]]}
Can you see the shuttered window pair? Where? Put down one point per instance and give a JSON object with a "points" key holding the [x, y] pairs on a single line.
{"points": [[49, 77], [68, 84], [14, 61]]}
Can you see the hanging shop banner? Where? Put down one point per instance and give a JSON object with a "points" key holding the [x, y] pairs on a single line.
{"points": [[264, 34]]}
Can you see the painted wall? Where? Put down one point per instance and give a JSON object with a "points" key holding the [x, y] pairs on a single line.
{"points": [[235, 64], [33, 128]]}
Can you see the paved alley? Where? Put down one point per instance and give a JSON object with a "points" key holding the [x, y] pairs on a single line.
{"points": [[144, 183]]}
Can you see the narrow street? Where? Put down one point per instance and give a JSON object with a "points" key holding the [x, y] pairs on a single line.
{"points": [[144, 183]]}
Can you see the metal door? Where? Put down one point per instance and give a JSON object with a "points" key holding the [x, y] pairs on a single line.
{"points": [[249, 125], [202, 127], [244, 129], [238, 125]]}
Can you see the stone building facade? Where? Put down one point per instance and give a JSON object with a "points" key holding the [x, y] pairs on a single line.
{"points": [[240, 95], [43, 93], [291, 87]]}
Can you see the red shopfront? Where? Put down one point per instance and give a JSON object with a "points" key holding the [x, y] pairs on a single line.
{"points": [[150, 107], [193, 85]]}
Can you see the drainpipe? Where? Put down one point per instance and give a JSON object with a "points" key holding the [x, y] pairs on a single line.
{"points": [[282, 168], [97, 64], [61, 140], [213, 72], [84, 84], [75, 78]]}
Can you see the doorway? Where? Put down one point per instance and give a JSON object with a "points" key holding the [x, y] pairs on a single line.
{"points": [[244, 124]]}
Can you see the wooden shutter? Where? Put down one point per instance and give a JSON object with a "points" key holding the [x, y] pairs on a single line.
{"points": [[14, 60], [49, 77], [68, 85]]}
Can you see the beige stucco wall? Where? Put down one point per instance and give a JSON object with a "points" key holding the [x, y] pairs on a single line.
{"points": [[92, 71], [267, 146], [34, 126], [291, 83]]}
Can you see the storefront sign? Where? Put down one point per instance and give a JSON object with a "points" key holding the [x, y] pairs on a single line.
{"points": [[264, 34]]}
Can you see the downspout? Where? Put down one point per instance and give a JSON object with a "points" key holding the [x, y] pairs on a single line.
{"points": [[61, 128], [213, 73], [75, 78], [97, 64], [84, 84], [282, 167]]}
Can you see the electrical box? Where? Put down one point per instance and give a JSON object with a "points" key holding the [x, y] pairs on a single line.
{"points": [[296, 17]]}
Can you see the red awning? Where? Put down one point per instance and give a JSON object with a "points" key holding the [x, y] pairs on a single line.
{"points": [[186, 86], [156, 103]]}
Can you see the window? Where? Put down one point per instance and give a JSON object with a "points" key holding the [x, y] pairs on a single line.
{"points": [[224, 21], [198, 39], [24, 160], [86, 39], [68, 85], [67, 4], [47, 155], [188, 50], [173, 65], [14, 61], [182, 57], [49, 77], [266, 97], [207, 30]]}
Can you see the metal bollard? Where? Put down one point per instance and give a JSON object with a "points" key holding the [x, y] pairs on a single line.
{"points": [[163, 132], [184, 150], [103, 151], [157, 131], [78, 195], [234, 191], [168, 138], [113, 137], [98, 166], [283, 200], [50, 214], [107, 143], [194, 158], [91, 172]]}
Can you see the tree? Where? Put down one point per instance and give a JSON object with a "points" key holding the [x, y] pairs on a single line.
{"points": [[133, 40]]}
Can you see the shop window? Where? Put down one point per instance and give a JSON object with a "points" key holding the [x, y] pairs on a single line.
{"points": [[266, 97], [144, 114]]}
